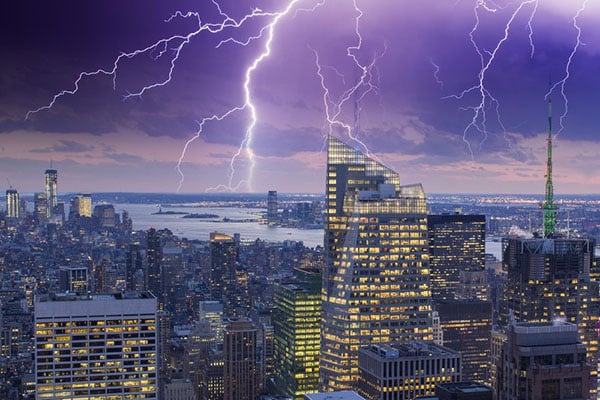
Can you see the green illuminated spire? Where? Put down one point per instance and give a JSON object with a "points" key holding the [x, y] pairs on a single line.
{"points": [[549, 207]]}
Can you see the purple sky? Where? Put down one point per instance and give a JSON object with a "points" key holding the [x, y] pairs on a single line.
{"points": [[416, 54]]}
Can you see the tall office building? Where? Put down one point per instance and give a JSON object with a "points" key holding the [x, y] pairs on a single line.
{"points": [[95, 347], [549, 279], [457, 251], [154, 257], [12, 203], [51, 193], [133, 266], [297, 337], [223, 282], [40, 208], [544, 360], [240, 366], [376, 279], [105, 215], [81, 205], [467, 327], [272, 215]]}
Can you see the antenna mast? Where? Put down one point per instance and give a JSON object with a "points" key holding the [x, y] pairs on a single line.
{"points": [[549, 207]]}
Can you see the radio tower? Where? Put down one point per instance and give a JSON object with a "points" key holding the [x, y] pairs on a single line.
{"points": [[549, 207]]}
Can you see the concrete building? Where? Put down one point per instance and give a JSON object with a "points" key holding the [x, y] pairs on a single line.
{"points": [[544, 360], [95, 347], [404, 371], [240, 366]]}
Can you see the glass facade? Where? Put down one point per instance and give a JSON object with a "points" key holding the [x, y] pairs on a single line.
{"points": [[296, 322], [376, 279]]}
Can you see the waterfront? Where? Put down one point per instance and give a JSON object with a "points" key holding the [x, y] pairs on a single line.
{"points": [[199, 228]]}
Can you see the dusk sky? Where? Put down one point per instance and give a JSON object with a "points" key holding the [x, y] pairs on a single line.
{"points": [[409, 70]]}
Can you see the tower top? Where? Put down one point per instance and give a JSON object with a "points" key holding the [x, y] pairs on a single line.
{"points": [[549, 206]]}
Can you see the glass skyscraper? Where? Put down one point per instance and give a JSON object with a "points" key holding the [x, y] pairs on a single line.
{"points": [[376, 279]]}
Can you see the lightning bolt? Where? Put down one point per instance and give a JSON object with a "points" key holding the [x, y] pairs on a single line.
{"points": [[479, 119], [363, 86], [436, 71], [173, 46], [561, 83]]}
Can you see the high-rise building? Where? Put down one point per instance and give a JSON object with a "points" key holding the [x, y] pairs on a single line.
{"points": [[272, 214], [51, 190], [154, 258], [457, 251], [544, 360], [297, 337], [223, 256], [73, 280], [405, 371], [376, 279], [105, 215], [40, 208], [467, 327], [95, 347], [81, 205], [549, 279], [12, 203], [133, 265], [240, 367]]}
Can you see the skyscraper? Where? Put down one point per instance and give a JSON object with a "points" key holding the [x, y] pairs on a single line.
{"points": [[457, 250], [272, 216], [81, 205], [296, 321], [51, 193], [376, 279], [154, 257], [548, 279], [95, 347], [12, 203], [240, 367], [223, 255], [133, 264], [40, 208]]}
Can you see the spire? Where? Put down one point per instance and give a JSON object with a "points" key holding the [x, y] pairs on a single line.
{"points": [[549, 207]]}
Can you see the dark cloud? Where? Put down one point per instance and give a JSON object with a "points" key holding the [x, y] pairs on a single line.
{"points": [[65, 146]]}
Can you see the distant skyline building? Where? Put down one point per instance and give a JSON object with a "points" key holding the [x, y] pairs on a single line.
{"points": [[133, 264], [105, 215], [212, 311], [51, 190], [240, 365], [223, 256], [95, 347], [376, 280], [272, 214], [73, 280], [12, 203], [40, 207], [81, 205], [457, 253], [154, 259]]}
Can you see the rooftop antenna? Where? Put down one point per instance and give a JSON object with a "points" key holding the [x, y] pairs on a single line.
{"points": [[549, 207]]}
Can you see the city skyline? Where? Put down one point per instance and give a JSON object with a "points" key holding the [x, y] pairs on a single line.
{"points": [[99, 142]]}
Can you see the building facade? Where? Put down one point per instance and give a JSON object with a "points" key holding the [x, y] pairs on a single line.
{"points": [[297, 334], [376, 279], [405, 371], [272, 213], [95, 347], [457, 254], [51, 190], [240, 366], [543, 360], [12, 203]]}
